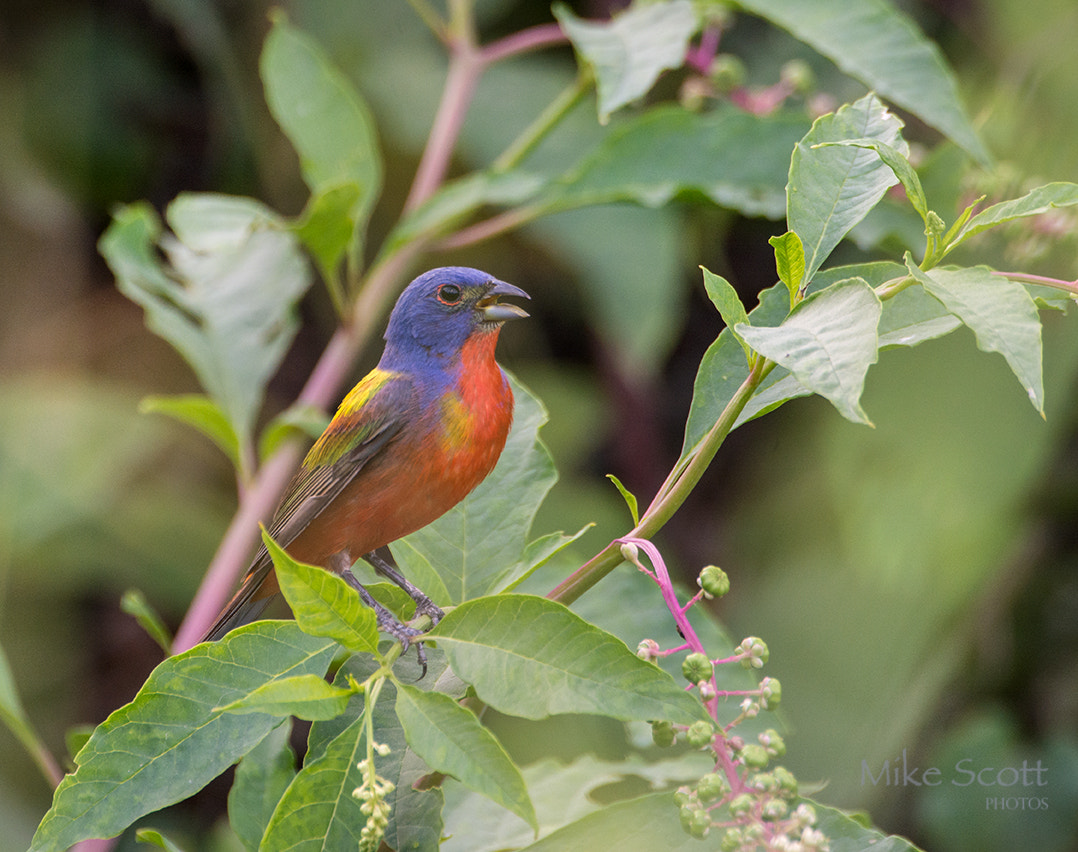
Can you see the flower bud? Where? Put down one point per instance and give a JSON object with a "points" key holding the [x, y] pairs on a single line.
{"points": [[648, 649], [755, 650], [770, 693]]}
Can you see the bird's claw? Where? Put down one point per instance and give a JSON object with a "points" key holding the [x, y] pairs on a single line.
{"points": [[407, 636]]}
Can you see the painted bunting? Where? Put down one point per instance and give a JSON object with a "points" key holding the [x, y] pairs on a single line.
{"points": [[408, 443]]}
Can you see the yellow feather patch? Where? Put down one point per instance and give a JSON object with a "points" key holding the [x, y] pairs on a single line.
{"points": [[456, 423]]}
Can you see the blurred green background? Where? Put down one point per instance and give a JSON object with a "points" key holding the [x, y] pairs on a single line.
{"points": [[917, 582]]}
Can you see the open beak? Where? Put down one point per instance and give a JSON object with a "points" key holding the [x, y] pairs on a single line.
{"points": [[493, 310]]}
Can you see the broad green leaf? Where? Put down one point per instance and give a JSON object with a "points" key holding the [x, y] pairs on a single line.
{"points": [[562, 795], [789, 261], [1001, 314], [323, 603], [480, 543], [730, 157], [846, 834], [828, 342], [169, 741], [261, 779], [327, 226], [832, 188], [331, 129], [725, 298], [630, 51], [900, 165], [1040, 200], [225, 298], [134, 603], [876, 43], [452, 740], [318, 810], [531, 657], [723, 367], [201, 412], [635, 825], [538, 552], [913, 316], [307, 696]]}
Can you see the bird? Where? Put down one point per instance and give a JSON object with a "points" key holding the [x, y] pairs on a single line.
{"points": [[408, 442]]}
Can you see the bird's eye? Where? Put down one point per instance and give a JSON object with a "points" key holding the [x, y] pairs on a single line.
{"points": [[449, 294]]}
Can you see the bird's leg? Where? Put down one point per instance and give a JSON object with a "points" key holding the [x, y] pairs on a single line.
{"points": [[423, 604], [341, 564]]}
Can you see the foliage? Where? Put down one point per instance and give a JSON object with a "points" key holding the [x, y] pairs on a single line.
{"points": [[385, 753]]}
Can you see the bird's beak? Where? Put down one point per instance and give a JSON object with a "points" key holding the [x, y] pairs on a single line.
{"points": [[493, 310]]}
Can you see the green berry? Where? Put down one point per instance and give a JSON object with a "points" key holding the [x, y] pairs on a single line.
{"points": [[773, 742], [774, 809], [754, 756], [696, 667], [786, 781], [727, 72], [685, 814], [798, 75], [662, 734], [731, 841], [711, 787], [740, 804], [700, 824], [699, 734], [682, 796], [714, 581]]}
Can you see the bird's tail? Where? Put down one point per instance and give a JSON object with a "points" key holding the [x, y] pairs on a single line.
{"points": [[259, 589]]}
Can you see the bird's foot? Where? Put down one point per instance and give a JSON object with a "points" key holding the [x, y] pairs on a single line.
{"points": [[423, 604], [389, 623]]}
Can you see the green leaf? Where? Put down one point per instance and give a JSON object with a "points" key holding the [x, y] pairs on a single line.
{"points": [[723, 367], [452, 740], [153, 837], [831, 189], [480, 544], [203, 414], [307, 696], [728, 156], [531, 657], [876, 43], [1001, 314], [828, 342], [318, 810], [323, 603], [1040, 200], [631, 50], [327, 226], [169, 741], [134, 603], [635, 825], [628, 497], [225, 299], [789, 261], [725, 298], [846, 834], [331, 129], [897, 162], [297, 419], [261, 779]]}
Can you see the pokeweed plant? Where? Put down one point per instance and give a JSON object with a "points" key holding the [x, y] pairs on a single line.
{"points": [[221, 283]]}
